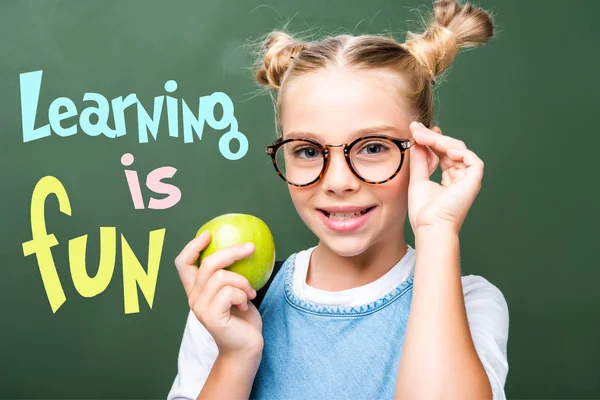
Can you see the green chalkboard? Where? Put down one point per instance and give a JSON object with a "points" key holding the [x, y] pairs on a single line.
{"points": [[526, 104]]}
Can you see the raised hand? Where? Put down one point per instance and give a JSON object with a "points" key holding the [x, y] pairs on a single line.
{"points": [[441, 205]]}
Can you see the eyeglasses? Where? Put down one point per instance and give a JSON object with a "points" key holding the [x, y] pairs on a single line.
{"points": [[373, 159]]}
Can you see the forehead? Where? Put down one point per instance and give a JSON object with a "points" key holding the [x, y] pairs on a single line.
{"points": [[333, 105]]}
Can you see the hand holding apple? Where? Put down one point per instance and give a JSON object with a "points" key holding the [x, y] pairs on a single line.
{"points": [[213, 289], [213, 292]]}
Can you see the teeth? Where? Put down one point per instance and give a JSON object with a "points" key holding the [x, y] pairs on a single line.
{"points": [[344, 216]]}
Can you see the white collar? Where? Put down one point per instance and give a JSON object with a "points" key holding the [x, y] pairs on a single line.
{"points": [[351, 297]]}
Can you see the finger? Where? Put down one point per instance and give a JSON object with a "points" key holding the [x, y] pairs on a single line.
{"points": [[433, 160], [185, 261], [453, 175], [419, 156], [445, 162], [439, 144], [475, 166], [220, 279], [419, 169], [225, 299], [220, 259]]}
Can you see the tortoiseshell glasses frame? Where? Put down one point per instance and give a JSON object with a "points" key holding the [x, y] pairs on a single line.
{"points": [[403, 145]]}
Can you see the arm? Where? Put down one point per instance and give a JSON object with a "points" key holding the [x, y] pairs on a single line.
{"points": [[226, 322], [439, 359], [231, 378], [200, 365]]}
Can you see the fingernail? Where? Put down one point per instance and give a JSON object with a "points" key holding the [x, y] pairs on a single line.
{"points": [[253, 293], [248, 246]]}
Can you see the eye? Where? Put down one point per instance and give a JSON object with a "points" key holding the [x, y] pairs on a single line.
{"points": [[374, 147], [307, 152]]}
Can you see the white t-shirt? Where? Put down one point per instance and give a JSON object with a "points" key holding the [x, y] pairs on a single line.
{"points": [[487, 313]]}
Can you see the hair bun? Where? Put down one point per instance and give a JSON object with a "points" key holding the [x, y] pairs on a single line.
{"points": [[453, 26], [280, 48]]}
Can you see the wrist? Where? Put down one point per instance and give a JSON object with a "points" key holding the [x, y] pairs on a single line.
{"points": [[246, 357], [242, 367], [436, 239], [231, 376], [437, 229]]}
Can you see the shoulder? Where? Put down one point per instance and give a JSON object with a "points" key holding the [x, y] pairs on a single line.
{"points": [[479, 291], [479, 283], [485, 304]]}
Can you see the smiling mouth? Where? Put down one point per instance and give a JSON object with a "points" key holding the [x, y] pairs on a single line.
{"points": [[345, 216]]}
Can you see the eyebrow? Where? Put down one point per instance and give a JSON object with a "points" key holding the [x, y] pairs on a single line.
{"points": [[356, 134]]}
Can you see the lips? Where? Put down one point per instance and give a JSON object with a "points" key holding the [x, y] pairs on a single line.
{"points": [[345, 214], [345, 219]]}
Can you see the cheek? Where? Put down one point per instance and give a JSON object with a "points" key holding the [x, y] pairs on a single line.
{"points": [[300, 197], [394, 193]]}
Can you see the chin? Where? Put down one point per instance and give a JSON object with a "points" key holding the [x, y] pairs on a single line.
{"points": [[350, 246]]}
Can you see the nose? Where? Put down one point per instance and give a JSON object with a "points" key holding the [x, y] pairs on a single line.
{"points": [[338, 177]]}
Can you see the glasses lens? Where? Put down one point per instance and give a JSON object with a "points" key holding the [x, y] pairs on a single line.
{"points": [[375, 159], [299, 161]]}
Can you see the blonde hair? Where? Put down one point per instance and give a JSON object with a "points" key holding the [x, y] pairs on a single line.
{"points": [[419, 60]]}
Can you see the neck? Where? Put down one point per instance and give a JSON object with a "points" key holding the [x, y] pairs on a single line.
{"points": [[332, 272]]}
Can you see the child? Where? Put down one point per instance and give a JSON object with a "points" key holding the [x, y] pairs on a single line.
{"points": [[362, 315]]}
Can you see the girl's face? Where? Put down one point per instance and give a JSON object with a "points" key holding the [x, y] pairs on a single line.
{"points": [[336, 107]]}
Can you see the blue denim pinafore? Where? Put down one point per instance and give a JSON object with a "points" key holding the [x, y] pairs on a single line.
{"points": [[313, 351]]}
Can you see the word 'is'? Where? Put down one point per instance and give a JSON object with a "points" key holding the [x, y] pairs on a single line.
{"points": [[63, 108]]}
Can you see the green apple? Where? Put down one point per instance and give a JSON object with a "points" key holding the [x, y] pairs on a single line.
{"points": [[231, 229]]}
